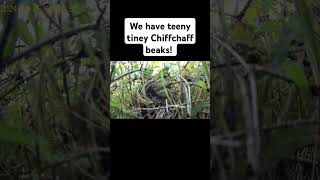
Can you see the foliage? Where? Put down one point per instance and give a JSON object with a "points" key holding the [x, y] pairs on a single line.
{"points": [[265, 88], [159, 89], [46, 67]]}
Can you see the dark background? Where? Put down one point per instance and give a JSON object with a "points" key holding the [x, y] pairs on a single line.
{"points": [[160, 9], [160, 149]]}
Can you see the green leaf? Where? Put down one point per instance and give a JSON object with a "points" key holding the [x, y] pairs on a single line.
{"points": [[202, 84], [13, 135], [125, 109], [295, 71], [252, 13], [114, 103], [148, 71], [199, 106]]}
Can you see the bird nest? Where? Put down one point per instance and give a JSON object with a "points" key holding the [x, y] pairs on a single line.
{"points": [[156, 100]]}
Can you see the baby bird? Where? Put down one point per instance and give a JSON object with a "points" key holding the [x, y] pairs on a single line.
{"points": [[155, 90]]}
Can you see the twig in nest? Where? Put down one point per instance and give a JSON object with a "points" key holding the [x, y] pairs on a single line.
{"points": [[161, 107]]}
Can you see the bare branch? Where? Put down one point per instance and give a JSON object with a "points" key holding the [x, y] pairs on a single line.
{"points": [[125, 74], [7, 62], [244, 10]]}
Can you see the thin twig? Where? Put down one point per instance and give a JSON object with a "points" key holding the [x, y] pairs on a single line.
{"points": [[18, 84], [125, 74], [51, 20], [161, 107], [188, 95], [244, 10], [7, 62]]}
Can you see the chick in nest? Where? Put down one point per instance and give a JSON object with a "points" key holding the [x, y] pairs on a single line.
{"points": [[155, 90]]}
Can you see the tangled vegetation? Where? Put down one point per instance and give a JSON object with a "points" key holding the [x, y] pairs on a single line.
{"points": [[53, 91], [265, 82], [160, 89]]}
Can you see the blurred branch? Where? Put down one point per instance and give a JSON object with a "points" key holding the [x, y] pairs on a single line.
{"points": [[273, 73], [265, 130], [94, 26], [50, 40], [125, 74], [260, 69], [244, 10], [252, 125], [62, 51]]}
